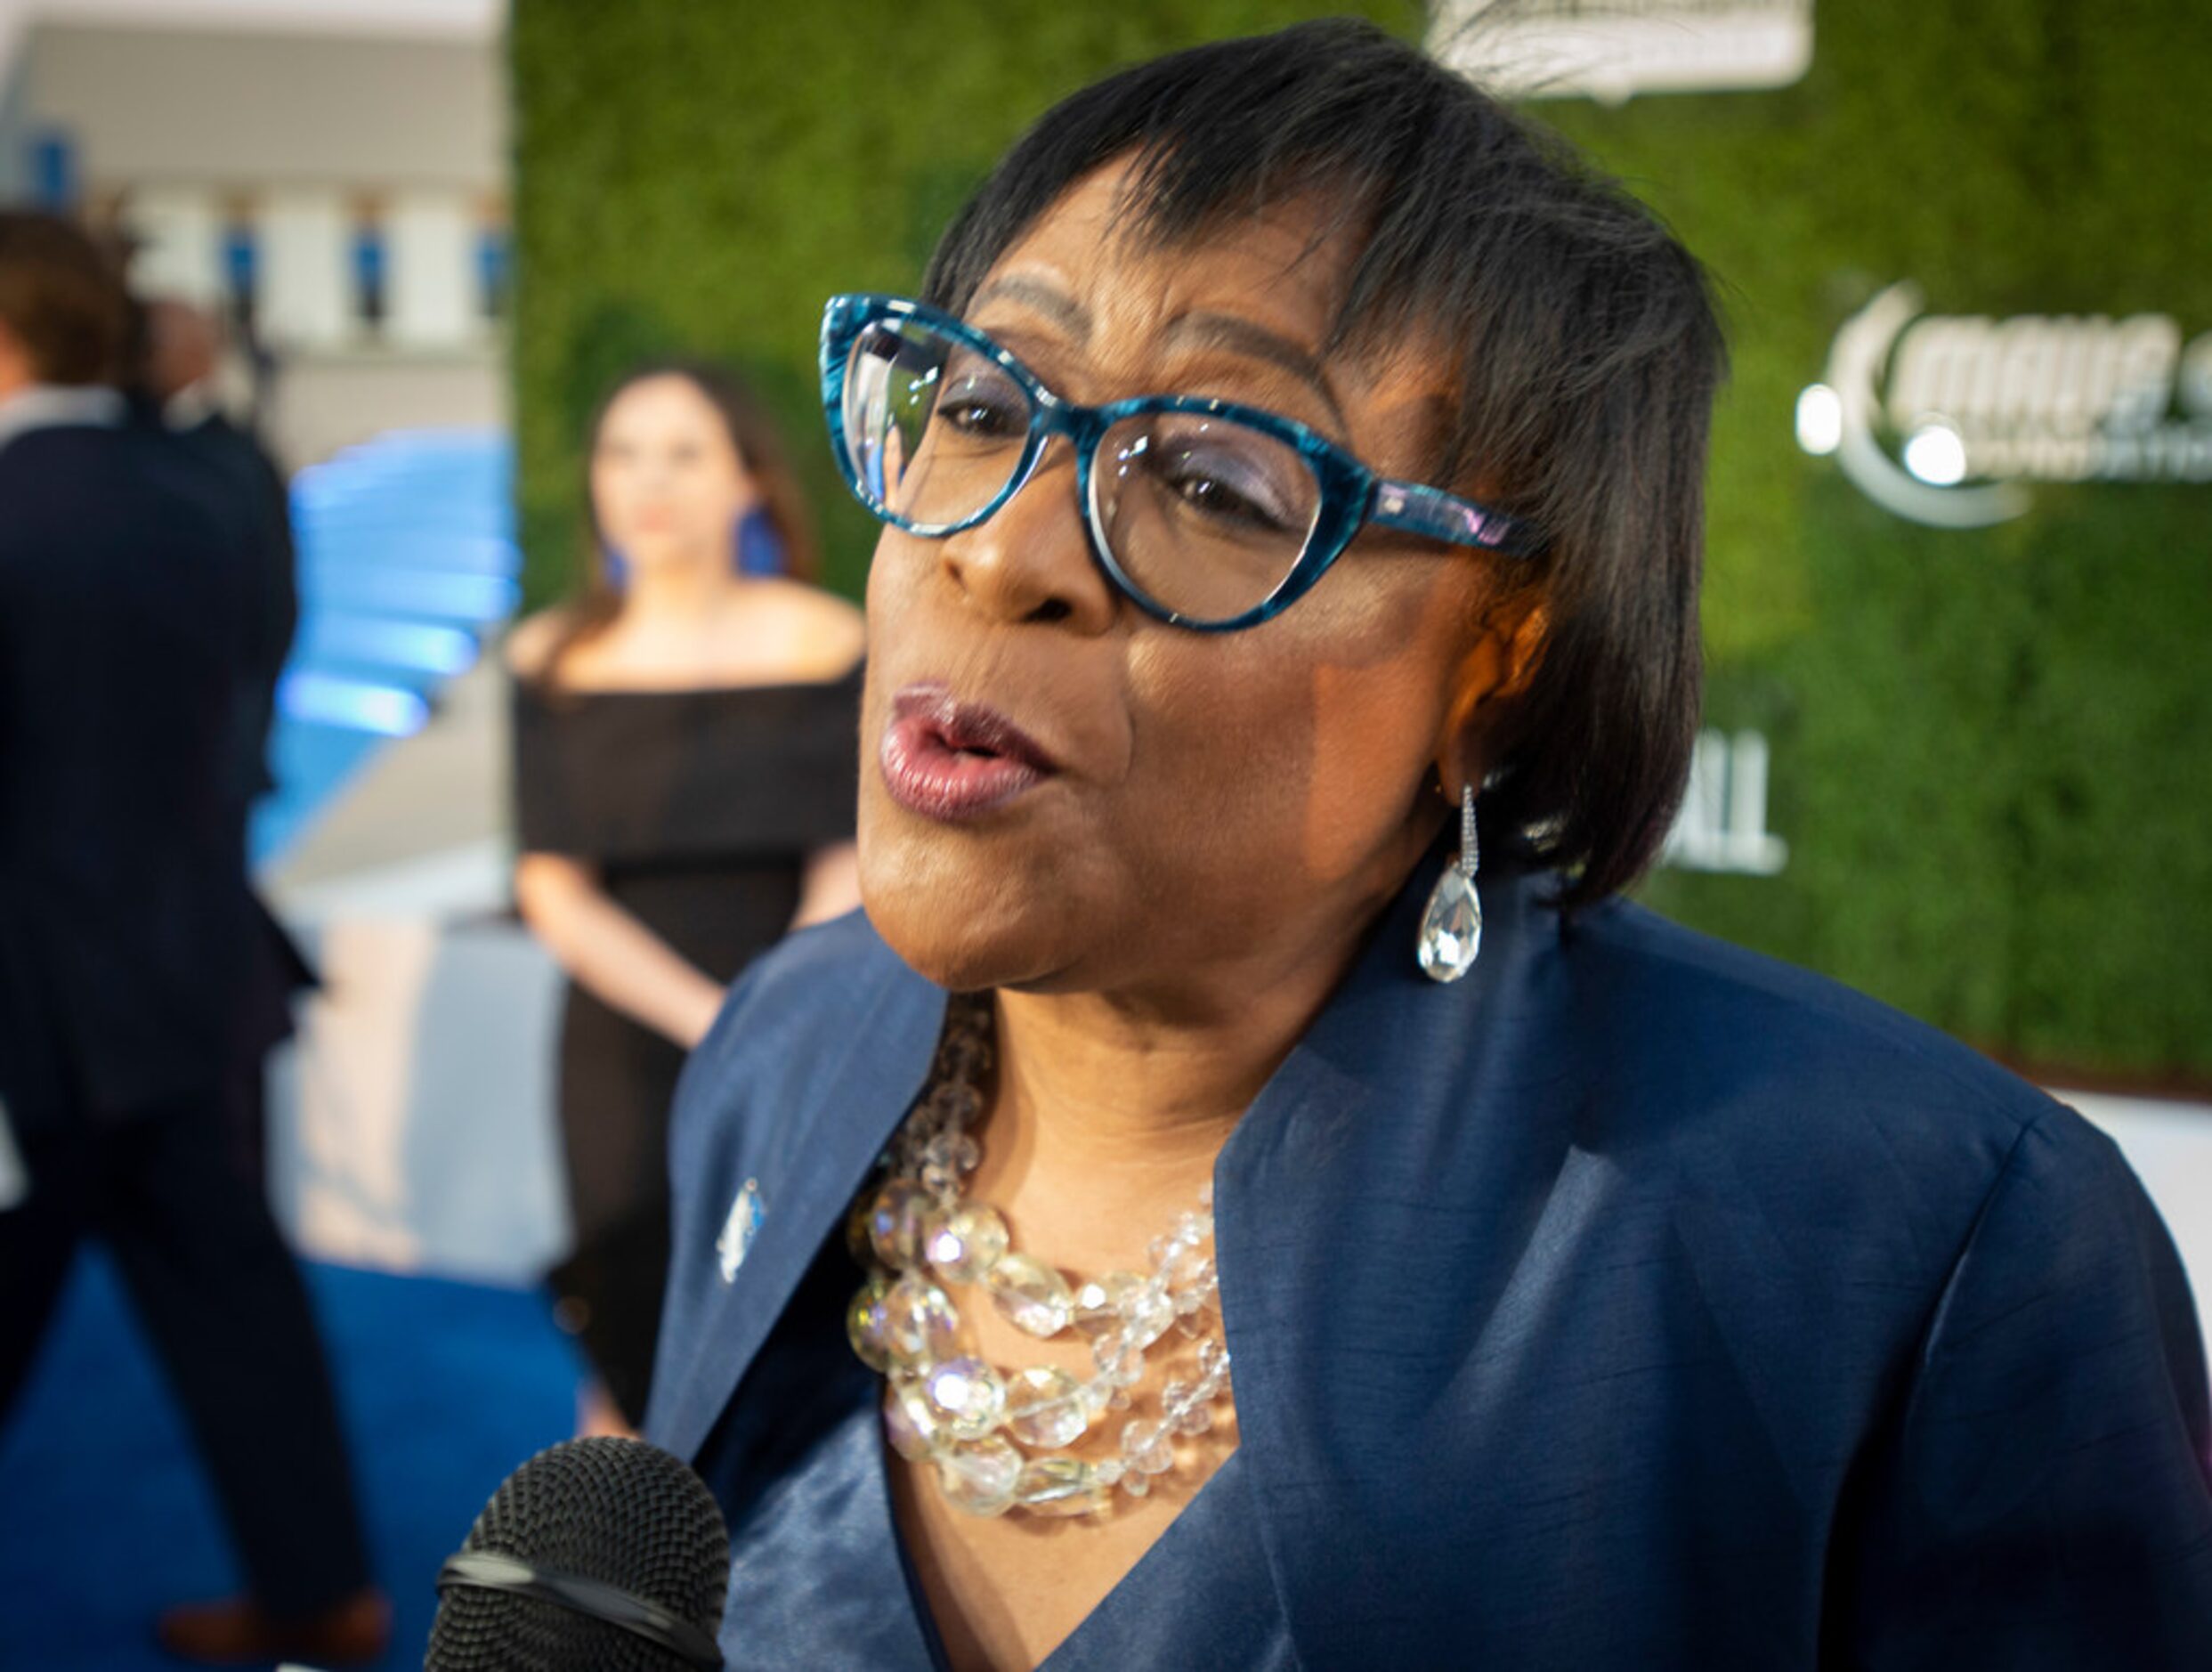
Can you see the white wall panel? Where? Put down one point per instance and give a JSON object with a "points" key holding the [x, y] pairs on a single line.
{"points": [[431, 237], [306, 279]]}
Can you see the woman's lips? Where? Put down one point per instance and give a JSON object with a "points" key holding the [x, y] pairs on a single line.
{"points": [[949, 760]]}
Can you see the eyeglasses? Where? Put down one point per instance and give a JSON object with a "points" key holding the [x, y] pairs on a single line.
{"points": [[1205, 514]]}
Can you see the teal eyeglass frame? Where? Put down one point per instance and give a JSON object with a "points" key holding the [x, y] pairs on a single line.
{"points": [[1353, 496]]}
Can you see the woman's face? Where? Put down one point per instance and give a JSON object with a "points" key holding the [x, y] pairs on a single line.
{"points": [[1176, 805], [667, 487]]}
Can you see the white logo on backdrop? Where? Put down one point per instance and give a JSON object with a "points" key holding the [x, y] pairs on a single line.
{"points": [[1612, 49], [1940, 419], [1722, 825]]}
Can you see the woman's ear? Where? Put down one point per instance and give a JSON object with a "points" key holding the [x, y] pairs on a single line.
{"points": [[1498, 668], [16, 371]]}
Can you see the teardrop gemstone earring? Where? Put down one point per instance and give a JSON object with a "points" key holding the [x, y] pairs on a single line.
{"points": [[1451, 928]]}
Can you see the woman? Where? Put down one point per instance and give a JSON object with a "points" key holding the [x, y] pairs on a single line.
{"points": [[683, 782], [1594, 1295]]}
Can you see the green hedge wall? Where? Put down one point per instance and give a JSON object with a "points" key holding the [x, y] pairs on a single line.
{"points": [[701, 177], [1990, 752], [1990, 749]]}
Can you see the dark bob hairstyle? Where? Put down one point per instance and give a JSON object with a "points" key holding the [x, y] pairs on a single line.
{"points": [[1581, 334]]}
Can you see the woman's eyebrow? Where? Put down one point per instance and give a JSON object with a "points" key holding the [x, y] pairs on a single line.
{"points": [[1242, 336], [1049, 300], [1211, 330]]}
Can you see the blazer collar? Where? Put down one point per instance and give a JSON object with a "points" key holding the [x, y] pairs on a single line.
{"points": [[1372, 1097]]}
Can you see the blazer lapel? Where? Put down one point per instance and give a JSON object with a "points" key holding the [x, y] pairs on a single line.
{"points": [[804, 1175], [1336, 1197]]}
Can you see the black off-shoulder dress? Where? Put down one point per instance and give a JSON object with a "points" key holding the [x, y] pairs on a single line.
{"points": [[697, 808]]}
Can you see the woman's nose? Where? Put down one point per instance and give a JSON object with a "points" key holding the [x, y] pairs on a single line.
{"points": [[1031, 560]]}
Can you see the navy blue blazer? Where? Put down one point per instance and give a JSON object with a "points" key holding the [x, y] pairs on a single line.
{"points": [[1635, 1302]]}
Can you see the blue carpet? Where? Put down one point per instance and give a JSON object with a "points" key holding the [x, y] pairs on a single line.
{"points": [[106, 1517]]}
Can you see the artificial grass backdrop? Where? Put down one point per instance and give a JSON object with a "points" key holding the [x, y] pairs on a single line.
{"points": [[1989, 747]]}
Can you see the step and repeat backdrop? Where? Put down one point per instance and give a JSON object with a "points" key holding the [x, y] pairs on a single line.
{"points": [[1959, 583]]}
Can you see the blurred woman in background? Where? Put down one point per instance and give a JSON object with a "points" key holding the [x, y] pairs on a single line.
{"points": [[684, 738]]}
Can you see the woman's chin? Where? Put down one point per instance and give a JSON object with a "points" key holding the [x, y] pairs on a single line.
{"points": [[667, 552], [965, 933]]}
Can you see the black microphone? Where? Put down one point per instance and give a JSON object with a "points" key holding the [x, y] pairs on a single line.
{"points": [[596, 1556]]}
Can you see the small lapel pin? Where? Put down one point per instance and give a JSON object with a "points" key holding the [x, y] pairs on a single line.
{"points": [[738, 1229]]}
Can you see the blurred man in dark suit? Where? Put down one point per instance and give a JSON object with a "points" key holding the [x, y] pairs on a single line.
{"points": [[125, 929], [178, 353], [181, 355]]}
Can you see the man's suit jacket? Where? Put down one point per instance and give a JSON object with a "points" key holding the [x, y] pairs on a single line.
{"points": [[123, 908], [242, 484], [245, 487], [1635, 1302]]}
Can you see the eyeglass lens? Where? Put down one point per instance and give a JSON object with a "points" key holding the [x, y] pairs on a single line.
{"points": [[1204, 514]]}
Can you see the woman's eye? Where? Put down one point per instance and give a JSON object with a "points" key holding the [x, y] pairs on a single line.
{"points": [[979, 409], [1228, 494]]}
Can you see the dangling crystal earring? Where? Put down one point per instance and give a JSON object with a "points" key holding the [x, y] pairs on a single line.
{"points": [[1451, 928]]}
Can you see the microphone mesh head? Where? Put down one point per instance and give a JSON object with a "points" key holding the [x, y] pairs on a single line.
{"points": [[619, 1511]]}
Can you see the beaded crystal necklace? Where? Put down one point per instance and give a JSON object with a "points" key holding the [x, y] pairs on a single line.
{"points": [[1000, 1440]]}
